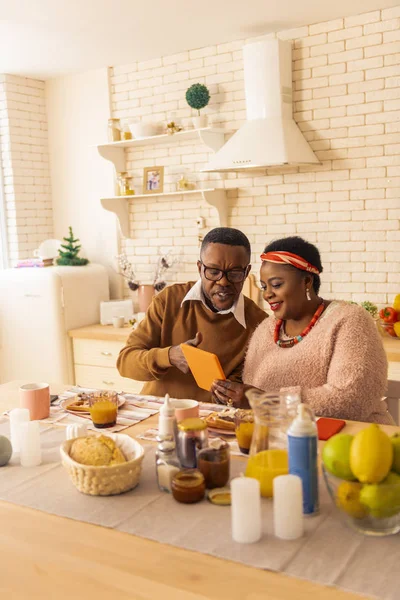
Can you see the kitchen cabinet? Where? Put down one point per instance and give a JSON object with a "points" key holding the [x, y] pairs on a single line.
{"points": [[95, 353]]}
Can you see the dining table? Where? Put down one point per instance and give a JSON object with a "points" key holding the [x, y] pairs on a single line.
{"points": [[50, 557]]}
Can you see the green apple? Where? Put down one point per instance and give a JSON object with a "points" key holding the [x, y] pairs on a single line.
{"points": [[396, 453], [382, 499], [336, 456]]}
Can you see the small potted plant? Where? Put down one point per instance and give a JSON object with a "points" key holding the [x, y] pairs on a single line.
{"points": [[198, 96], [69, 256]]}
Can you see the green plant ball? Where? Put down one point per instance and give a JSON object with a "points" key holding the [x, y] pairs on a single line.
{"points": [[5, 450], [197, 96]]}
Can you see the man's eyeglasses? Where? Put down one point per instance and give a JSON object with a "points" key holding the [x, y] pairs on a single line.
{"points": [[233, 275]]}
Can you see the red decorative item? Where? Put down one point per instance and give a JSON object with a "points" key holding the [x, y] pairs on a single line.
{"points": [[297, 338], [388, 315]]}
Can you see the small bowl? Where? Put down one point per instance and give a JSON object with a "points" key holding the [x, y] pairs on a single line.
{"points": [[144, 130], [387, 329], [367, 524]]}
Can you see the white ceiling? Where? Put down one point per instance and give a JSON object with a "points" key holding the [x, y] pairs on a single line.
{"points": [[46, 38]]}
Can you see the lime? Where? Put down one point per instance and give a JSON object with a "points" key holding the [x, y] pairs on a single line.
{"points": [[336, 456]]}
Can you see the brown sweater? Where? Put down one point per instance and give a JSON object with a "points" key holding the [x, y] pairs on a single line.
{"points": [[167, 323]]}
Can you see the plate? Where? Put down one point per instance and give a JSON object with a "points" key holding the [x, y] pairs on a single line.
{"points": [[65, 403], [221, 431]]}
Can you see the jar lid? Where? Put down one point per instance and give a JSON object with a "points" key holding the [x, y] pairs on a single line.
{"points": [[193, 424], [188, 478], [220, 496]]}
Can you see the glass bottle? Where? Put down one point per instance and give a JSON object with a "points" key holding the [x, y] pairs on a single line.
{"points": [[125, 132], [124, 186], [167, 463], [114, 130], [268, 451]]}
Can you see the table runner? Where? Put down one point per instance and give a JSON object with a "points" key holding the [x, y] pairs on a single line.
{"points": [[329, 553]]}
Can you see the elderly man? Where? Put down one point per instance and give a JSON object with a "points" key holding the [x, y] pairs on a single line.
{"points": [[212, 314]]}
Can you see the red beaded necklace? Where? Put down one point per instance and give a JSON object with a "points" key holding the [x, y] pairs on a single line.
{"points": [[297, 338]]}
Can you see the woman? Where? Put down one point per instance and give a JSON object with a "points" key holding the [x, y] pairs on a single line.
{"points": [[330, 348]]}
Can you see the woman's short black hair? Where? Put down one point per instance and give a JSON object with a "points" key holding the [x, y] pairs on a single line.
{"points": [[296, 245], [228, 236]]}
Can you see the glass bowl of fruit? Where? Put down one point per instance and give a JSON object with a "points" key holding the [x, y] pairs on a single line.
{"points": [[362, 474]]}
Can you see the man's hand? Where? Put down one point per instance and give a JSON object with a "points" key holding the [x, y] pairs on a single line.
{"points": [[230, 393], [176, 357]]}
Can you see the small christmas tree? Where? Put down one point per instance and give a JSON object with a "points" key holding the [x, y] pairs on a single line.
{"points": [[70, 256]]}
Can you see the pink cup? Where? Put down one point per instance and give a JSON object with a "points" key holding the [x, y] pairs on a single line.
{"points": [[185, 409], [35, 397]]}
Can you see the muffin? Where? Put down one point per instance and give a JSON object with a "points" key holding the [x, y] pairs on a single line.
{"points": [[96, 451]]}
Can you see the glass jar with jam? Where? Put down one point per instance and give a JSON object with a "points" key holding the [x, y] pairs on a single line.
{"points": [[214, 463], [192, 437], [188, 486], [244, 428]]}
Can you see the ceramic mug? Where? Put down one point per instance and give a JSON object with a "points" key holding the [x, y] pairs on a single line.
{"points": [[35, 397], [118, 321], [185, 409]]}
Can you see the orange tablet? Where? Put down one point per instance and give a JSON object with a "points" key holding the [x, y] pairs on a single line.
{"points": [[205, 366]]}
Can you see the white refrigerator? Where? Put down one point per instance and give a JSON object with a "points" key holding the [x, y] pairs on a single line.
{"points": [[38, 306]]}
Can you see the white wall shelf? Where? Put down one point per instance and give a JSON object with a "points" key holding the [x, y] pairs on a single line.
{"points": [[216, 197], [212, 137]]}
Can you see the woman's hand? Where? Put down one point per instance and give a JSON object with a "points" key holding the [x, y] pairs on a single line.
{"points": [[176, 356], [230, 393]]}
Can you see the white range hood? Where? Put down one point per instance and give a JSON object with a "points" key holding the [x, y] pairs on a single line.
{"points": [[270, 136]]}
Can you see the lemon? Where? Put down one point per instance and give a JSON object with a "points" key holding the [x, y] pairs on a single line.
{"points": [[396, 303], [382, 499], [371, 455], [267, 465], [336, 456], [348, 499]]}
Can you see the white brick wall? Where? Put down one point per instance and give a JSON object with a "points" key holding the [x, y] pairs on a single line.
{"points": [[346, 78], [25, 164]]}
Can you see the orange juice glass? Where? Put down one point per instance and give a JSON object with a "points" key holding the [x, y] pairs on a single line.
{"points": [[244, 428], [103, 408]]}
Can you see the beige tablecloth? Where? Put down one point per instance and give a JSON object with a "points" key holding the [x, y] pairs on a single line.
{"points": [[329, 552]]}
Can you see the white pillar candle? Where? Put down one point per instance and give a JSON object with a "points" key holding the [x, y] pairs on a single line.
{"points": [[288, 507], [30, 454], [17, 416], [246, 510]]}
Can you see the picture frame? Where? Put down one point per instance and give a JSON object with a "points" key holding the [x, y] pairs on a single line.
{"points": [[153, 180]]}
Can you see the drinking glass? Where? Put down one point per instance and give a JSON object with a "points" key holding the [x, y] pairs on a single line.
{"points": [[103, 407], [244, 428]]}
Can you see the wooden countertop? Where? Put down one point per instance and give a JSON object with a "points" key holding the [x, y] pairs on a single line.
{"points": [[61, 558], [101, 332]]}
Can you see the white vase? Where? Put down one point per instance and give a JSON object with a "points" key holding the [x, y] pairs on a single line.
{"points": [[200, 122]]}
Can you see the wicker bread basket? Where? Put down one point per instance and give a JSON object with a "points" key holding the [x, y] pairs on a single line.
{"points": [[106, 481]]}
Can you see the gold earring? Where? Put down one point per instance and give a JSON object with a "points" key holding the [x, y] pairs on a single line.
{"points": [[308, 294]]}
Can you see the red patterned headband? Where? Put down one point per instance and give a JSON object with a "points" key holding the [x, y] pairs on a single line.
{"points": [[289, 259]]}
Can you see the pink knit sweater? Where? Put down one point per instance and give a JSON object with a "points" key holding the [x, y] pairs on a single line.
{"points": [[340, 365]]}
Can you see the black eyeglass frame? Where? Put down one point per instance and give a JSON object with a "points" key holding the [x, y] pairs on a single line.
{"points": [[244, 272]]}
